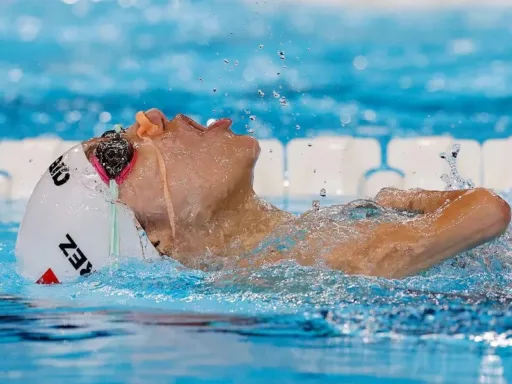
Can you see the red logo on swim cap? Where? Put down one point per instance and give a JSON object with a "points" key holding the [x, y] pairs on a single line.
{"points": [[48, 278]]}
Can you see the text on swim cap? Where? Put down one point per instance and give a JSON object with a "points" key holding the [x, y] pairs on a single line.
{"points": [[59, 172], [77, 258]]}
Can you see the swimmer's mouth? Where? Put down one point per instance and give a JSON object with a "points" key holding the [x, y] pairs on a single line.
{"points": [[192, 123]]}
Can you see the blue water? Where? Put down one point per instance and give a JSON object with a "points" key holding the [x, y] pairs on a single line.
{"points": [[71, 68], [152, 322], [417, 72]]}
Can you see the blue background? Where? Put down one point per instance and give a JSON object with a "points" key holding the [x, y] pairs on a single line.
{"points": [[356, 71]]}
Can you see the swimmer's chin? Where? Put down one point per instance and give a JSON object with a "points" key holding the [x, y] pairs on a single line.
{"points": [[251, 144]]}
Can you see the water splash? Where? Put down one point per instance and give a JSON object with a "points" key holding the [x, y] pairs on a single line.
{"points": [[454, 180]]}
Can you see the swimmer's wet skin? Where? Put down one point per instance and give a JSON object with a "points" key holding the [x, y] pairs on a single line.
{"points": [[209, 176], [190, 188]]}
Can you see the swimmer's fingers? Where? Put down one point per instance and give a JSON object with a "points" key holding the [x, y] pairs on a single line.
{"points": [[386, 196], [416, 200], [394, 198], [403, 248]]}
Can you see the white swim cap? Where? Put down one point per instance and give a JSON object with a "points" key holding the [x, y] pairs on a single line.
{"points": [[66, 229]]}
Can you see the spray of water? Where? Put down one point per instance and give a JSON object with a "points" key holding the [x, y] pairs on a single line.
{"points": [[492, 259], [454, 180]]}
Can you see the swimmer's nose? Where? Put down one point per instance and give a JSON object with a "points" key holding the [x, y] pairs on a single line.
{"points": [[156, 116], [150, 123]]}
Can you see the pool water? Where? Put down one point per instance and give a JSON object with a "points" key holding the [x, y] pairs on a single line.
{"points": [[75, 67], [143, 322]]}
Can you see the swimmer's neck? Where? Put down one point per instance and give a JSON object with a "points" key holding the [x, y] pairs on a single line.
{"points": [[231, 231]]}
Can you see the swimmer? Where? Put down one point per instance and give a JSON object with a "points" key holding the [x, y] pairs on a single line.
{"points": [[190, 188]]}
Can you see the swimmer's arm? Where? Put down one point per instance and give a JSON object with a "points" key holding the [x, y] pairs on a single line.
{"points": [[400, 249], [416, 200]]}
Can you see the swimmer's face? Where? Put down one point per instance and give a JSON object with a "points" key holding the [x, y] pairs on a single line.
{"points": [[208, 169]]}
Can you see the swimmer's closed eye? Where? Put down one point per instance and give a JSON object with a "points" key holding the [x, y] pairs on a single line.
{"points": [[146, 126]]}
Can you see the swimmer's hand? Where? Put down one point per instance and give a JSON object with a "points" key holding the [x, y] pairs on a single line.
{"points": [[452, 222], [416, 200]]}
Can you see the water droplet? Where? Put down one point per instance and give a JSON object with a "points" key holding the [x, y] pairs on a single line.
{"points": [[316, 205], [360, 63], [105, 117], [271, 150], [281, 55], [235, 62], [276, 95], [323, 192], [369, 115], [252, 117], [15, 75], [310, 144], [226, 61], [214, 89], [261, 46], [261, 93], [73, 116], [314, 170], [250, 131], [454, 180], [283, 102], [297, 127], [455, 150], [448, 184], [200, 79]]}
